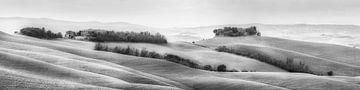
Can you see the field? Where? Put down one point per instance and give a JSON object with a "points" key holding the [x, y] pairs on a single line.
{"points": [[204, 56], [320, 57], [30, 63]]}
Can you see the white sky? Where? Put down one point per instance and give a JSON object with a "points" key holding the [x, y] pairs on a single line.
{"points": [[179, 13]]}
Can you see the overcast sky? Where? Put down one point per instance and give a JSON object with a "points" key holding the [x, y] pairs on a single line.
{"points": [[178, 13]]}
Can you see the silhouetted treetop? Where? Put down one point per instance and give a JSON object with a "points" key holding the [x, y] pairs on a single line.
{"points": [[235, 32], [99, 35], [40, 33]]}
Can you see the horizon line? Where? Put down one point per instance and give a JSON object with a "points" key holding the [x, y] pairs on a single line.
{"points": [[115, 22]]}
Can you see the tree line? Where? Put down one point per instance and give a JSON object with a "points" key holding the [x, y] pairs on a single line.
{"points": [[235, 31], [98, 35], [40, 33], [168, 57], [289, 65]]}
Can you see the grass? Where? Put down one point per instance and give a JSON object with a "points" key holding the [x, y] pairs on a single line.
{"points": [[308, 53], [37, 64], [288, 65], [204, 56]]}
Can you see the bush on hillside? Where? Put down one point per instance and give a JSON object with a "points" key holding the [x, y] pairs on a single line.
{"points": [[144, 53], [40, 33], [221, 68], [177, 59], [208, 67], [98, 46], [330, 73], [131, 51], [153, 54], [233, 70], [244, 70], [248, 70]]}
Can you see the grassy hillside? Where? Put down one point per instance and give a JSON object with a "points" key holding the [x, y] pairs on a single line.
{"points": [[348, 35], [204, 56], [29, 63], [320, 57]]}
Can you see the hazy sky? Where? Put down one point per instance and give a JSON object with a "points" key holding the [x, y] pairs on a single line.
{"points": [[177, 13]]}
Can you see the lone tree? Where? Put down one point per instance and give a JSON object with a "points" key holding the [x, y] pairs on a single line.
{"points": [[221, 68], [330, 73]]}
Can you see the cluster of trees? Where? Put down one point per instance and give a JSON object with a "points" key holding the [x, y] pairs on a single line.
{"points": [[219, 68], [145, 53], [235, 32], [152, 54], [111, 36], [180, 60], [222, 68], [289, 65], [40, 33]]}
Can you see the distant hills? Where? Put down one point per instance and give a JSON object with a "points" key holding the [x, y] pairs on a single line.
{"points": [[32, 63], [9, 25], [348, 35]]}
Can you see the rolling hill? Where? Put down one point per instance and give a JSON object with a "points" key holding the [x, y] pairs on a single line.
{"points": [[204, 56], [320, 57], [11, 24], [30, 63], [347, 35]]}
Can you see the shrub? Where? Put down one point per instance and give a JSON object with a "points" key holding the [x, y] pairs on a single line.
{"points": [[136, 53], [144, 53], [222, 49], [330, 73], [153, 54], [258, 34], [208, 67], [233, 70], [177, 59], [221, 68], [98, 46]]}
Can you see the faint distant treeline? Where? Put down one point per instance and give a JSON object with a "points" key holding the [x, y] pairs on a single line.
{"points": [[169, 57], [289, 65], [98, 35], [39, 33], [235, 31]]}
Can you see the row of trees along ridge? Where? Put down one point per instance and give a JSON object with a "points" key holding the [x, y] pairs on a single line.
{"points": [[99, 35], [39, 33], [236, 32]]}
